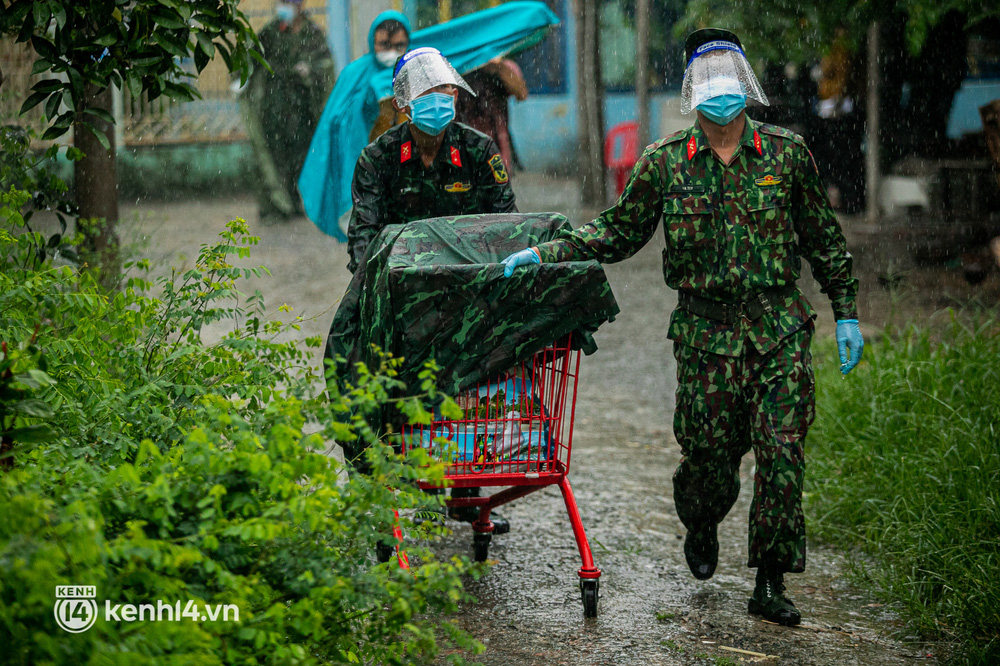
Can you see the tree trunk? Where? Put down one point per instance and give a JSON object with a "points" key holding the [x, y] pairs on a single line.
{"points": [[590, 94], [642, 70], [872, 175], [96, 184]]}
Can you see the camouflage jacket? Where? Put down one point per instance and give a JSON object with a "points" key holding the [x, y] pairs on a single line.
{"points": [[730, 232], [434, 289], [391, 185]]}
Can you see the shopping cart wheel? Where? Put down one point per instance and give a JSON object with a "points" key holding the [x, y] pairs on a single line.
{"points": [[383, 551], [588, 590], [481, 545]]}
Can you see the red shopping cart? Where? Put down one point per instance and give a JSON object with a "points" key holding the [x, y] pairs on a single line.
{"points": [[517, 432]]}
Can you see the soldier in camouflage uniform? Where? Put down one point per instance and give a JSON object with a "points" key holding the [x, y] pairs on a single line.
{"points": [[427, 167], [742, 203], [422, 169]]}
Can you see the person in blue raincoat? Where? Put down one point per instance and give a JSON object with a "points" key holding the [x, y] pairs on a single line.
{"points": [[343, 131], [351, 115]]}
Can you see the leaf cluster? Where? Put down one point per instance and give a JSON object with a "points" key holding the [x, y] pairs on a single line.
{"points": [[87, 46], [39, 187], [781, 31], [151, 463]]}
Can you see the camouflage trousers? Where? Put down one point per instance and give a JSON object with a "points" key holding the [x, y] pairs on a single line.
{"points": [[727, 406]]}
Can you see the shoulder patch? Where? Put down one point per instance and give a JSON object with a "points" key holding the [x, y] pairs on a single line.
{"points": [[774, 130], [669, 142], [499, 170], [671, 138]]}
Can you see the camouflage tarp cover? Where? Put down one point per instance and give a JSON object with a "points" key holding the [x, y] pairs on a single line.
{"points": [[434, 289]]}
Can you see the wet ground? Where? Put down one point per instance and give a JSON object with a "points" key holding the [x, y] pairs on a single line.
{"points": [[651, 610]]}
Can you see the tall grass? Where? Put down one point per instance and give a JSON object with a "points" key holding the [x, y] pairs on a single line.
{"points": [[905, 463]]}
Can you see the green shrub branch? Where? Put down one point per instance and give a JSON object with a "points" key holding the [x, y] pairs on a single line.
{"points": [[140, 459]]}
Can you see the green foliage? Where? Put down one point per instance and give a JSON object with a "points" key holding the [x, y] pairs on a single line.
{"points": [[134, 44], [42, 189], [779, 31], [905, 463], [154, 465], [787, 31]]}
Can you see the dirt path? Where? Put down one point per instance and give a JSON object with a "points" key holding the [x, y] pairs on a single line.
{"points": [[651, 611]]}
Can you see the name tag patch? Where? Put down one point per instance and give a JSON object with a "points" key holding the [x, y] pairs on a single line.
{"points": [[687, 189]]}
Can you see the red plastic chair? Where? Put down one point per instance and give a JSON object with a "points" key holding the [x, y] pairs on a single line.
{"points": [[621, 152]]}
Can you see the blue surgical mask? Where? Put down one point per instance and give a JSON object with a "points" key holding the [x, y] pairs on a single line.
{"points": [[433, 112], [722, 109], [285, 13]]}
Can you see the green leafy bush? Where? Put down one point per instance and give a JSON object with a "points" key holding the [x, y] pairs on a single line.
{"points": [[905, 463], [151, 464]]}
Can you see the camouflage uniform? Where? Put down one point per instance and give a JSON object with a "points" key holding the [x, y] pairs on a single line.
{"points": [[391, 185], [733, 233]]}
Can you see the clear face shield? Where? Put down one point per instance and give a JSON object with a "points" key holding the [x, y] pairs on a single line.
{"points": [[420, 70], [718, 68]]}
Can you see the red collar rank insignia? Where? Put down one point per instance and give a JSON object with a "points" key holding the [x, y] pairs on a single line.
{"points": [[455, 155], [692, 147], [405, 152], [767, 181], [757, 145]]}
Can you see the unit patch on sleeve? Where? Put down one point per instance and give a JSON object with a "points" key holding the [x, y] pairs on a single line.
{"points": [[499, 171]]}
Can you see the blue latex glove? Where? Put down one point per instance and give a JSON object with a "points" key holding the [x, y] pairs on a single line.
{"points": [[849, 339], [522, 258]]}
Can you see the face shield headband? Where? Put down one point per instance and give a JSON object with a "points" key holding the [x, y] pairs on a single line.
{"points": [[420, 70], [714, 68]]}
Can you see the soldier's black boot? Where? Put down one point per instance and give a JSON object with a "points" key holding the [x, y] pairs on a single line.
{"points": [[701, 549], [769, 600]]}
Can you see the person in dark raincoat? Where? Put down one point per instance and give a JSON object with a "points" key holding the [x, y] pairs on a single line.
{"points": [[742, 202], [281, 109]]}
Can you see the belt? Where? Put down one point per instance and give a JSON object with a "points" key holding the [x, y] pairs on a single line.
{"points": [[751, 309]]}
